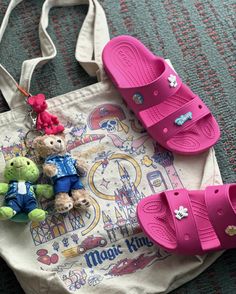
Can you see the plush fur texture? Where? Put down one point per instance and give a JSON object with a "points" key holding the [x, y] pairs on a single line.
{"points": [[45, 120], [22, 169], [50, 145]]}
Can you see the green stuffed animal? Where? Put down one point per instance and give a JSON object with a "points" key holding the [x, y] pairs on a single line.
{"points": [[20, 193]]}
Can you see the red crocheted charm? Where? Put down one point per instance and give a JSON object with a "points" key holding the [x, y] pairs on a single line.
{"points": [[45, 121]]}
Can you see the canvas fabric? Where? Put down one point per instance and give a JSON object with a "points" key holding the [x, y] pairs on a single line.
{"points": [[101, 249]]}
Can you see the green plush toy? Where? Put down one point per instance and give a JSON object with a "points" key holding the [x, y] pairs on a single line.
{"points": [[20, 193]]}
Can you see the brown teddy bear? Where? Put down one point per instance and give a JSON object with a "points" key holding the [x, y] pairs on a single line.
{"points": [[64, 171]]}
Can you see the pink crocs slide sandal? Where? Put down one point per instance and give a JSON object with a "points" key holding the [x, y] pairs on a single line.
{"points": [[171, 113], [191, 222]]}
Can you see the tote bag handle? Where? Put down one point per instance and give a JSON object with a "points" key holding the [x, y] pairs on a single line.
{"points": [[92, 38]]}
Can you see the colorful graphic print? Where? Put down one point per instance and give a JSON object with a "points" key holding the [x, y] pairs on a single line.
{"points": [[75, 279], [45, 258], [156, 181], [87, 247], [90, 242], [115, 166], [130, 265], [57, 225], [130, 145], [165, 158], [108, 117], [13, 150]]}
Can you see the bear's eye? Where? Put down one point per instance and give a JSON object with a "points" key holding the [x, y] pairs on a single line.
{"points": [[28, 163], [59, 141], [51, 142], [12, 163]]}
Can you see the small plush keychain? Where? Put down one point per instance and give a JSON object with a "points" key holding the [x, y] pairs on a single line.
{"points": [[59, 166], [21, 173], [20, 192], [41, 120], [44, 120], [64, 171]]}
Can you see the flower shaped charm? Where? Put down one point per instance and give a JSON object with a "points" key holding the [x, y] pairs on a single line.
{"points": [[172, 81], [231, 231], [181, 212]]}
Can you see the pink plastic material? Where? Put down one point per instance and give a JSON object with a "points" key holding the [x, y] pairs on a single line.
{"points": [[156, 94], [210, 223], [45, 121]]}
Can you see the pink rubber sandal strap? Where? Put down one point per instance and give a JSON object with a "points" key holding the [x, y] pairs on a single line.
{"points": [[221, 214], [172, 124], [186, 230], [140, 98]]}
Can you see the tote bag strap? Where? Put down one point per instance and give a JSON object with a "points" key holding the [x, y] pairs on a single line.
{"points": [[92, 38]]}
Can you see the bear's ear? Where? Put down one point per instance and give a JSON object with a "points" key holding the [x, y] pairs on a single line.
{"points": [[30, 100], [61, 135], [41, 97], [37, 142]]}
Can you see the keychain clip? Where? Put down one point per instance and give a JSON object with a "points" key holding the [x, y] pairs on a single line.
{"points": [[33, 117], [27, 135], [28, 144], [39, 117]]}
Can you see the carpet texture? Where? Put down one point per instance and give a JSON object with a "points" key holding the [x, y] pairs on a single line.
{"points": [[197, 36]]}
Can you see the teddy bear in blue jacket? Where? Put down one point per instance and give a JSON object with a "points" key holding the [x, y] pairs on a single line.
{"points": [[64, 171]]}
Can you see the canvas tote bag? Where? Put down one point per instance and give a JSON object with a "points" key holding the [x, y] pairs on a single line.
{"points": [[101, 249]]}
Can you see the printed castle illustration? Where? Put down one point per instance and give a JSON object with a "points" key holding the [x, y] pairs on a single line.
{"points": [[125, 222], [126, 198]]}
